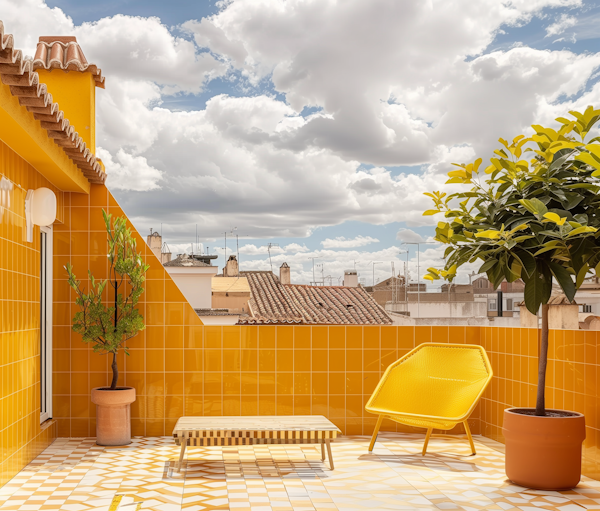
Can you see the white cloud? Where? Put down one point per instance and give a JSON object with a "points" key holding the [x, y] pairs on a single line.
{"points": [[129, 172], [422, 92], [409, 236], [295, 248], [342, 242], [563, 23]]}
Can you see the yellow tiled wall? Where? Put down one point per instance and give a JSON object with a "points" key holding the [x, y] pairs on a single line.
{"points": [[21, 436], [571, 380], [180, 367]]}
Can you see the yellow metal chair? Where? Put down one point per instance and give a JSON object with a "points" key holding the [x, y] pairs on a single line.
{"points": [[435, 386]]}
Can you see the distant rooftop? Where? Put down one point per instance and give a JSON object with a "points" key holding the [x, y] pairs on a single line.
{"points": [[186, 260], [276, 303]]}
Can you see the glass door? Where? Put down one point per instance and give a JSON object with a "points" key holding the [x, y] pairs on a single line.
{"points": [[45, 323]]}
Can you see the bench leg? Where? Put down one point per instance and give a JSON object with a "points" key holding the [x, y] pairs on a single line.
{"points": [[375, 433], [182, 454], [426, 440], [466, 424], [328, 444], [323, 451]]}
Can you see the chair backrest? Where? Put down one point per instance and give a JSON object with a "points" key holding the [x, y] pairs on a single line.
{"points": [[441, 380]]}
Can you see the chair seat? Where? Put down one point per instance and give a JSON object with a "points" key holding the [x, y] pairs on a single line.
{"points": [[424, 423]]}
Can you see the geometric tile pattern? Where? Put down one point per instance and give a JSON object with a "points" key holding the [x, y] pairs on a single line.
{"points": [[78, 475]]}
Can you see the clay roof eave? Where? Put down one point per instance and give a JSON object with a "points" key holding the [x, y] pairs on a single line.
{"points": [[62, 156]]}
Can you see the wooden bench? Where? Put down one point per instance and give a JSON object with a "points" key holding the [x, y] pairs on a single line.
{"points": [[240, 430]]}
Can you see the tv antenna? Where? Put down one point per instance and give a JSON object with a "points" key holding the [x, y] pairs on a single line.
{"points": [[269, 246]]}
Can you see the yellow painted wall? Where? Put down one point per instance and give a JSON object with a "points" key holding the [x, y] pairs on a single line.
{"points": [[76, 94], [21, 436]]}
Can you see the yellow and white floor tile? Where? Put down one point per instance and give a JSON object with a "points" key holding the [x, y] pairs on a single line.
{"points": [[78, 475]]}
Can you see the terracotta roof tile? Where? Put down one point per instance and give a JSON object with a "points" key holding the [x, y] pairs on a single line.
{"points": [[275, 303], [24, 83], [269, 302], [54, 52]]}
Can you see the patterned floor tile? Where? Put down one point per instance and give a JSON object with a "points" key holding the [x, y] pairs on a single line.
{"points": [[78, 475]]}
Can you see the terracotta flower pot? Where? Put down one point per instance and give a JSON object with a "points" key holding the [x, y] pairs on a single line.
{"points": [[113, 416], [543, 452]]}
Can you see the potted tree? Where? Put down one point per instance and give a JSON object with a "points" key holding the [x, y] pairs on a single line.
{"points": [[107, 318], [537, 220]]}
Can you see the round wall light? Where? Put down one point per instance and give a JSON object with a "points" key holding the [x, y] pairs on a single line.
{"points": [[40, 209]]}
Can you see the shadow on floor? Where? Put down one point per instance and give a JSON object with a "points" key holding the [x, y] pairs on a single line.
{"points": [[445, 462]]}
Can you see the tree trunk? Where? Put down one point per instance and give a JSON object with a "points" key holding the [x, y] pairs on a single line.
{"points": [[115, 371], [540, 405]]}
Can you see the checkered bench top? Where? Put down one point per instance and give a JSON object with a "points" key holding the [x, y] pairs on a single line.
{"points": [[235, 430]]}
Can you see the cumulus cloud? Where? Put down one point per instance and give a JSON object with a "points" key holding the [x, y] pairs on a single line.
{"points": [[342, 242], [129, 172], [425, 91], [409, 236], [563, 23]]}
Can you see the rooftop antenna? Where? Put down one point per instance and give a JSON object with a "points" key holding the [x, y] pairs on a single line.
{"points": [[237, 245], [269, 250], [313, 261]]}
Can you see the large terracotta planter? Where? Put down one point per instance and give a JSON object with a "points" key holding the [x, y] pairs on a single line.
{"points": [[543, 452], [113, 416]]}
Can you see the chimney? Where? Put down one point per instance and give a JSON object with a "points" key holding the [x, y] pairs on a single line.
{"points": [[284, 274], [231, 268], [350, 278], [72, 81], [154, 241]]}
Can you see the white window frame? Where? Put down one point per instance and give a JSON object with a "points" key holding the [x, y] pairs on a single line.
{"points": [[46, 386], [492, 305]]}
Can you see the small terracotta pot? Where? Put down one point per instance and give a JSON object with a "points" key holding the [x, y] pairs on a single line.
{"points": [[113, 416], [543, 452]]}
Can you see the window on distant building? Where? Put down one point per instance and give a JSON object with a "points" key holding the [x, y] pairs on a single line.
{"points": [[587, 308], [492, 305], [509, 304]]}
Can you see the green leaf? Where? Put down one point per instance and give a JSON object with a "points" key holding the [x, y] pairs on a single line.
{"points": [[581, 275], [563, 277], [527, 261], [534, 292], [487, 265], [430, 212]]}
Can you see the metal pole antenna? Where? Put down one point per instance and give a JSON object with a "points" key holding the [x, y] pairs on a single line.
{"points": [[418, 270], [418, 281]]}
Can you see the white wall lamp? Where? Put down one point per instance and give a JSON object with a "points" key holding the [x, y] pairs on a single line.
{"points": [[40, 209]]}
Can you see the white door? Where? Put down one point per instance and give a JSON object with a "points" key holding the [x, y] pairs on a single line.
{"points": [[45, 323]]}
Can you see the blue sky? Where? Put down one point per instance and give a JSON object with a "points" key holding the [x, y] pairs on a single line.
{"points": [[314, 125]]}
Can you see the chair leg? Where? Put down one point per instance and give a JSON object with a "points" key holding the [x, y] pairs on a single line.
{"points": [[426, 440], [470, 437], [323, 450], [375, 433]]}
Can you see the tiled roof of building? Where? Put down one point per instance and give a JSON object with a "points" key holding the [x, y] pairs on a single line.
{"points": [[184, 260], [24, 83], [269, 303], [64, 53], [275, 303]]}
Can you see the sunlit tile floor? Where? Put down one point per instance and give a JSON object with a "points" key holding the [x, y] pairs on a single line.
{"points": [[78, 475]]}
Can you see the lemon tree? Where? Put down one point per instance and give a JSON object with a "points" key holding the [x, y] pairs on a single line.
{"points": [[532, 214]]}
